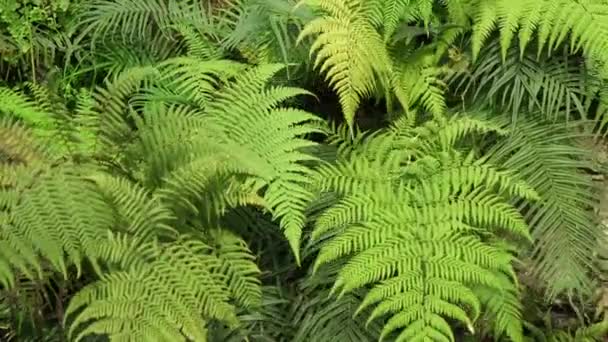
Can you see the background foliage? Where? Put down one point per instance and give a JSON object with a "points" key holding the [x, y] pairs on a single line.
{"points": [[321, 170]]}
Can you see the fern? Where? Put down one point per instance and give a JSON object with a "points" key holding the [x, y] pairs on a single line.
{"points": [[17, 105], [198, 45], [19, 147], [591, 333], [129, 18], [230, 132], [163, 298], [360, 62], [265, 31], [113, 58], [419, 83], [68, 213], [316, 316], [550, 22], [564, 228], [23, 159], [265, 323], [409, 224], [130, 21], [47, 116], [277, 160], [557, 88], [349, 51], [170, 198], [60, 213]]}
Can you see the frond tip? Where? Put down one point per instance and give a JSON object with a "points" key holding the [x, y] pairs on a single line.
{"points": [[349, 51]]}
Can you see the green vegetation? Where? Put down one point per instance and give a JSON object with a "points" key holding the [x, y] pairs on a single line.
{"points": [[322, 170]]}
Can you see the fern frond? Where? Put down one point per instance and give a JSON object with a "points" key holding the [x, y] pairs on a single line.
{"points": [[140, 213], [396, 14], [349, 51], [505, 311], [392, 13], [556, 87], [197, 79], [415, 238], [584, 22], [17, 258], [563, 226], [591, 333], [164, 140], [60, 213], [423, 85], [108, 118], [116, 56], [173, 295], [84, 123], [18, 146], [132, 21], [239, 268], [213, 129], [268, 322], [319, 317], [131, 18], [16, 105], [198, 45], [245, 112], [265, 31]]}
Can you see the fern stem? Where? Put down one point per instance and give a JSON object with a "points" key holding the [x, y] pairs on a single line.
{"points": [[32, 62], [60, 310]]}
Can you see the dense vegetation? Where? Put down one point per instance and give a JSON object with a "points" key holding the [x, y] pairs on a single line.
{"points": [[323, 170]]}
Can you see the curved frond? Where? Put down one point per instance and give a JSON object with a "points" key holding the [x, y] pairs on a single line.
{"points": [[349, 51], [319, 317], [212, 130], [245, 112]]}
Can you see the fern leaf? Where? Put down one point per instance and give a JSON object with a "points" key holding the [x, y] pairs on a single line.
{"points": [[349, 51], [61, 213], [413, 237], [142, 214], [319, 317], [16, 105], [239, 267], [485, 22], [245, 112], [130, 18], [557, 87], [393, 11], [552, 21], [505, 312], [563, 228], [173, 295]]}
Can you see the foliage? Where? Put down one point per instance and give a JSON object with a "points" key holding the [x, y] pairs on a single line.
{"points": [[168, 172], [351, 51], [215, 153], [33, 34], [422, 234], [556, 87], [562, 224]]}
